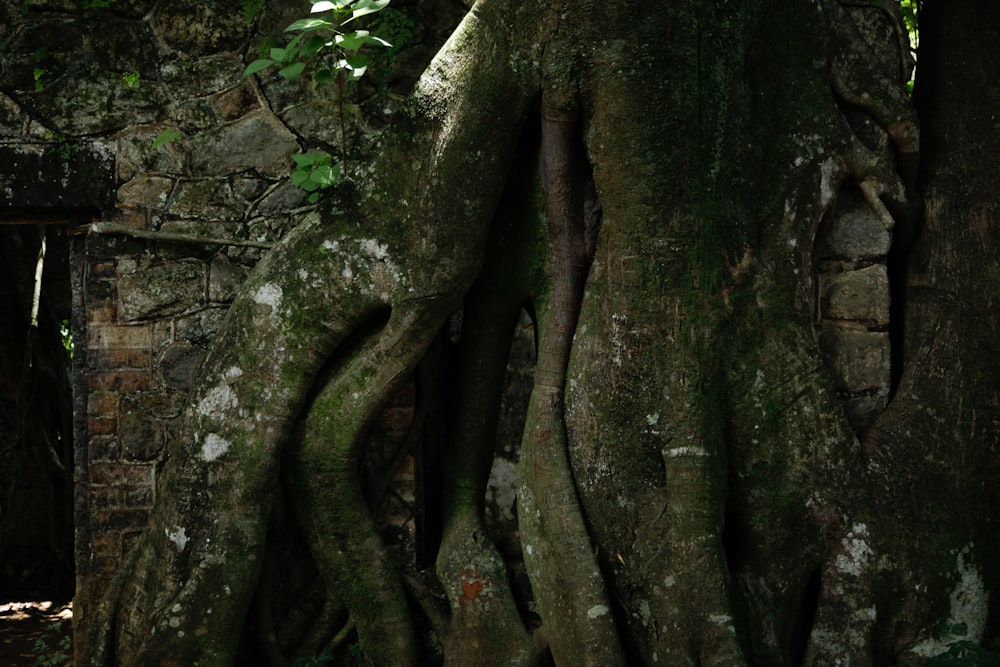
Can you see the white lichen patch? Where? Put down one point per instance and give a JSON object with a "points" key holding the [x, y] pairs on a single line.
{"points": [[827, 181], [645, 613], [597, 611], [217, 402], [232, 373], [970, 599], [332, 246], [178, 537], [213, 447], [969, 607], [674, 452], [618, 323], [374, 249], [856, 553], [269, 294]]}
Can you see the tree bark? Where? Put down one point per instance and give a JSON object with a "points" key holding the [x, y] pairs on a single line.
{"points": [[691, 490]]}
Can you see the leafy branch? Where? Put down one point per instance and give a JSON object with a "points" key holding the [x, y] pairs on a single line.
{"points": [[330, 54]]}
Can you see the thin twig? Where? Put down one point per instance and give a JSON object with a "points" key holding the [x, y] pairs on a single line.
{"points": [[112, 228]]}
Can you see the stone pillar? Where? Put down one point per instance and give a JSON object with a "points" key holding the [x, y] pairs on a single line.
{"points": [[853, 307]]}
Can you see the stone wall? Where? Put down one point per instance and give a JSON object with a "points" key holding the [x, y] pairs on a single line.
{"points": [[131, 125]]}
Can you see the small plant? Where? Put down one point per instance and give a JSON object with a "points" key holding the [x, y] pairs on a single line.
{"points": [[130, 79], [315, 660], [54, 648], [314, 172], [251, 8], [330, 54], [40, 71], [98, 4], [167, 136]]}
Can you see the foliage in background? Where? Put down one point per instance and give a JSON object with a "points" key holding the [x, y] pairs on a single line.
{"points": [[911, 13], [323, 49], [54, 648]]}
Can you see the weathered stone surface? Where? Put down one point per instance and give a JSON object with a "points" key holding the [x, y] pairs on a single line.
{"points": [[282, 197], [196, 77], [92, 102], [58, 175], [136, 154], [179, 365], [199, 328], [856, 231], [862, 411], [146, 192], [859, 360], [197, 28], [208, 198], [258, 141], [861, 295], [162, 289], [224, 278]]}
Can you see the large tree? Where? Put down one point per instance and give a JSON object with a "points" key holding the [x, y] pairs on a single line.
{"points": [[651, 181]]}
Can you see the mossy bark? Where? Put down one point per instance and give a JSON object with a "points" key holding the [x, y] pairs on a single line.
{"points": [[691, 490]]}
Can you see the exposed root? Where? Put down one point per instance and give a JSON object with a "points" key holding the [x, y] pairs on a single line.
{"points": [[568, 583]]}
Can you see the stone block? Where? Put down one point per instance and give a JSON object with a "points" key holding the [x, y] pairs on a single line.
{"points": [[862, 411], [117, 336], [102, 404], [199, 328], [123, 381], [860, 360], [212, 198], [861, 295], [162, 289], [224, 278], [856, 232], [146, 192], [256, 141], [110, 360]]}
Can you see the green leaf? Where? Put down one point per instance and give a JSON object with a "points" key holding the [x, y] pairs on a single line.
{"points": [[306, 25], [293, 71], [311, 159], [165, 137], [366, 7], [357, 64], [257, 66], [313, 45], [324, 6], [323, 77], [325, 176], [278, 54], [352, 41]]}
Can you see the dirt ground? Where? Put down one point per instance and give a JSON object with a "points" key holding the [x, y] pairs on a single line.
{"points": [[35, 633]]}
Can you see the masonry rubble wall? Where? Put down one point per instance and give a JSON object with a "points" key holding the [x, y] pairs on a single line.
{"points": [[137, 114]]}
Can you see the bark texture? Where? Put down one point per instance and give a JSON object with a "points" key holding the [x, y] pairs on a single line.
{"points": [[650, 182]]}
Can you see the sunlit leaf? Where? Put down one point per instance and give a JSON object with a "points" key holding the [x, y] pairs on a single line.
{"points": [[352, 41], [293, 71], [312, 46], [324, 6], [257, 66], [323, 77], [165, 137], [309, 24], [366, 7]]}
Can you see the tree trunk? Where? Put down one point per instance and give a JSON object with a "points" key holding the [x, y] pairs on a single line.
{"points": [[661, 188]]}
